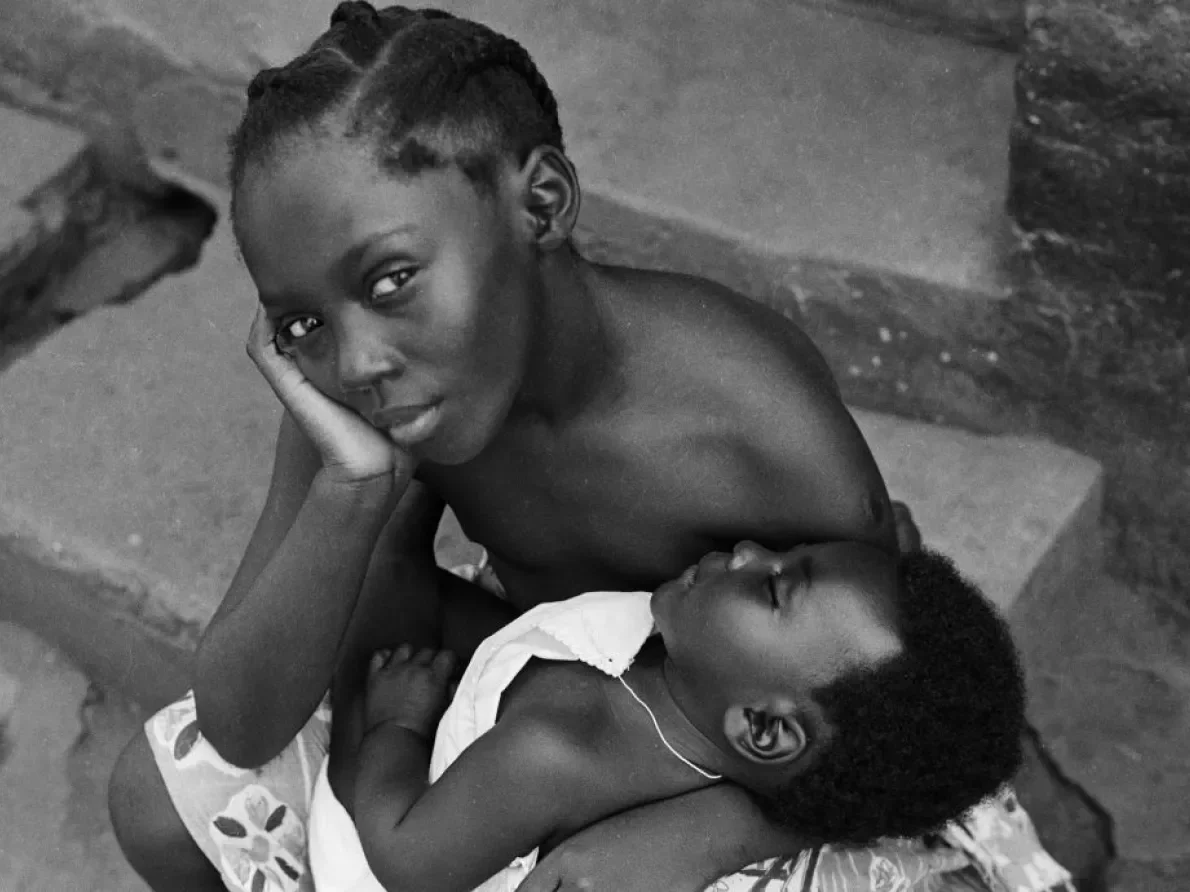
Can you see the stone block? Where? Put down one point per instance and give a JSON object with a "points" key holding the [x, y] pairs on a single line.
{"points": [[1016, 514]]}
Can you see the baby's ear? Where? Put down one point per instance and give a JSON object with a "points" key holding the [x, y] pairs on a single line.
{"points": [[769, 735]]}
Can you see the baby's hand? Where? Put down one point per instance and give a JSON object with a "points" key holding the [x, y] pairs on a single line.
{"points": [[407, 689]]}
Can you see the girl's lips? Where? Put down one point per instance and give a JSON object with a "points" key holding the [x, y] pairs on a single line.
{"points": [[410, 425], [397, 416]]}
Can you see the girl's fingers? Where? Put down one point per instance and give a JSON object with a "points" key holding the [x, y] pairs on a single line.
{"points": [[262, 346], [279, 370], [403, 653], [260, 335]]}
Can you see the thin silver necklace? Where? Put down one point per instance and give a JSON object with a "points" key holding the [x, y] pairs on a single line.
{"points": [[668, 746]]}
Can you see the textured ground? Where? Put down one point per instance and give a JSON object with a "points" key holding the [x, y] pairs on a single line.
{"points": [[59, 738]]}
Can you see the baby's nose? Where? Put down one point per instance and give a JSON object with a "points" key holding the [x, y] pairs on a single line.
{"points": [[745, 553]]}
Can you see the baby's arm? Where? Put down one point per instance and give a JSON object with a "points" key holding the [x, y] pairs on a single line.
{"points": [[496, 802]]}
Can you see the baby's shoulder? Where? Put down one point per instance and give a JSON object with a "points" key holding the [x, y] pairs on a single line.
{"points": [[559, 705]]}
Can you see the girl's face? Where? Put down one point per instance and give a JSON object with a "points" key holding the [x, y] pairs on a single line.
{"points": [[749, 624], [406, 298]]}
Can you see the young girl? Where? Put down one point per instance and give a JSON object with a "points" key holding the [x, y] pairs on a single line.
{"points": [[842, 711]]}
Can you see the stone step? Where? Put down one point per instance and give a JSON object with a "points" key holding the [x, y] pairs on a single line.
{"points": [[136, 449], [792, 128]]}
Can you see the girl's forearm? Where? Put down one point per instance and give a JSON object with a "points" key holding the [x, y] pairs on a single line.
{"points": [[263, 666]]}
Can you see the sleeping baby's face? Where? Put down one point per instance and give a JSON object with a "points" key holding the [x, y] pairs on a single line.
{"points": [[754, 623]]}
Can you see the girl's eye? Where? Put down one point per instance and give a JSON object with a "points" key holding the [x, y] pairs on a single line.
{"points": [[388, 285], [292, 330]]}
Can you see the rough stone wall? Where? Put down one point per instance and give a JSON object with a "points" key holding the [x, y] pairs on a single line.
{"points": [[1100, 151]]}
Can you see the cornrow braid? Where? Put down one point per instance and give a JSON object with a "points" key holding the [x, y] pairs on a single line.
{"points": [[428, 88], [474, 49], [510, 54]]}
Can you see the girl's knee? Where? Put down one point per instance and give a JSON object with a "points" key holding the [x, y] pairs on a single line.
{"points": [[140, 807], [148, 828]]}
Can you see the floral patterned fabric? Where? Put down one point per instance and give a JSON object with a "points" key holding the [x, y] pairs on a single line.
{"points": [[995, 850], [251, 823]]}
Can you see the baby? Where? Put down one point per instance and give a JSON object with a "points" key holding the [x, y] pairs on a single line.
{"points": [[848, 715]]}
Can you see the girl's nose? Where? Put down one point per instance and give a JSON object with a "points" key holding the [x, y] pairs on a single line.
{"points": [[359, 373], [364, 358]]}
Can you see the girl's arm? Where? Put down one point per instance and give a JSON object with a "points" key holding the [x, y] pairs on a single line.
{"points": [[499, 800], [681, 844], [269, 654]]}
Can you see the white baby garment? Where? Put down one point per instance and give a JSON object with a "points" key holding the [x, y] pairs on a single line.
{"points": [[603, 629]]}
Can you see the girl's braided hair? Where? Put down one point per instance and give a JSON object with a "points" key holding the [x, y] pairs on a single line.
{"points": [[426, 88]]}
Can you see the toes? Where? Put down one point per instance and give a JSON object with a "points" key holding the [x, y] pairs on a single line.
{"points": [[443, 665], [379, 659]]}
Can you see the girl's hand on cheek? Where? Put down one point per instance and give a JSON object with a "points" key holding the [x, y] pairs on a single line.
{"points": [[353, 452]]}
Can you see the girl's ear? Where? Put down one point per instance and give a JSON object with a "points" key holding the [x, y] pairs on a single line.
{"points": [[768, 735], [551, 197]]}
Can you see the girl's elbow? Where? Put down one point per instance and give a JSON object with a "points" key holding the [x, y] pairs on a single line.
{"points": [[228, 732]]}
